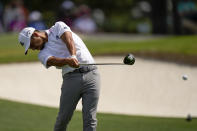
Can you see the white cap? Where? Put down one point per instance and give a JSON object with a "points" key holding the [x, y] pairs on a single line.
{"points": [[25, 37]]}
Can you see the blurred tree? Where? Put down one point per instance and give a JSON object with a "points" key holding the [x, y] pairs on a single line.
{"points": [[159, 16], [109, 6], [117, 12], [176, 18]]}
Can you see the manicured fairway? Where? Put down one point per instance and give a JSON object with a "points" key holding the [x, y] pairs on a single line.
{"points": [[26, 117], [181, 47]]}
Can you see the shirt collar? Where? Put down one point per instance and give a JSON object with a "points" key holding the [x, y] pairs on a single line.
{"points": [[48, 32]]}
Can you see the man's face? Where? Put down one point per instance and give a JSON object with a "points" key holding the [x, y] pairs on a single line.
{"points": [[37, 42]]}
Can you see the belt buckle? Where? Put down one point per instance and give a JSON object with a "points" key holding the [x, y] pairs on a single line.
{"points": [[81, 70], [84, 69]]}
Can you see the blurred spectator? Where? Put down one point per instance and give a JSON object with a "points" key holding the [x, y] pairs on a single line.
{"points": [[143, 27], [142, 9], [15, 16], [84, 23], [1, 14], [145, 7], [141, 13], [136, 12], [99, 16], [35, 20], [66, 12], [25, 11], [188, 12]]}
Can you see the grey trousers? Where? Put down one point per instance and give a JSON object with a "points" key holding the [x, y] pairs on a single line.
{"points": [[76, 86]]}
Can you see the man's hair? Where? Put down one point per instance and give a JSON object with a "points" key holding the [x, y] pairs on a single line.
{"points": [[36, 31]]}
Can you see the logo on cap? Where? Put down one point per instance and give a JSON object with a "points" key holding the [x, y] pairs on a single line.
{"points": [[28, 33]]}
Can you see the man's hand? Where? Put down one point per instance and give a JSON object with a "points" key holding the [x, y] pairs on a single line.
{"points": [[68, 40], [72, 62]]}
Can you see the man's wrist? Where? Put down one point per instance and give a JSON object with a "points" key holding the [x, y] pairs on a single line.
{"points": [[74, 56]]}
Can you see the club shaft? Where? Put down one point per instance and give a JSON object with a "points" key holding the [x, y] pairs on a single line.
{"points": [[102, 64]]}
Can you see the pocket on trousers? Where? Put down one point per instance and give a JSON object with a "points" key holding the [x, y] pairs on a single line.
{"points": [[95, 72]]}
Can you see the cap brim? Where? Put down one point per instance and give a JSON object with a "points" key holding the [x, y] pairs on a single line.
{"points": [[26, 52], [27, 47]]}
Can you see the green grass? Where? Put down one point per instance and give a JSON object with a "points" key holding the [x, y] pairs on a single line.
{"points": [[16, 116], [11, 51], [186, 45]]}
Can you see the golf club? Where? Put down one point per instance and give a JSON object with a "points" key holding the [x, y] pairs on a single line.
{"points": [[102, 64], [128, 60]]}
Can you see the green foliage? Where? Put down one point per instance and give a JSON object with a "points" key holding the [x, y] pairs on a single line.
{"points": [[110, 5], [49, 17]]}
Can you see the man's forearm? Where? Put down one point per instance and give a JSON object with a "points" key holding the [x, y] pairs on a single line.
{"points": [[54, 61], [71, 47], [68, 40]]}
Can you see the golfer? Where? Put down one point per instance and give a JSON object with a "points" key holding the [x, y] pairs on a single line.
{"points": [[62, 48]]}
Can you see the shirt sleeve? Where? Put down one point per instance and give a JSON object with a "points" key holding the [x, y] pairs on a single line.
{"points": [[61, 27], [43, 57]]}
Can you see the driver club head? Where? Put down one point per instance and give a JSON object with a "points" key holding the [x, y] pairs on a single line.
{"points": [[129, 59]]}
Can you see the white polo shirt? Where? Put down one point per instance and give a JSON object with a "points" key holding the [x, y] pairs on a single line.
{"points": [[57, 48]]}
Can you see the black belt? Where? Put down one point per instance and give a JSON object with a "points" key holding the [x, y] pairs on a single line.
{"points": [[84, 69]]}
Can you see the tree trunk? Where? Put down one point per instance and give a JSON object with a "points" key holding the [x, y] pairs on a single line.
{"points": [[159, 16], [177, 24]]}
